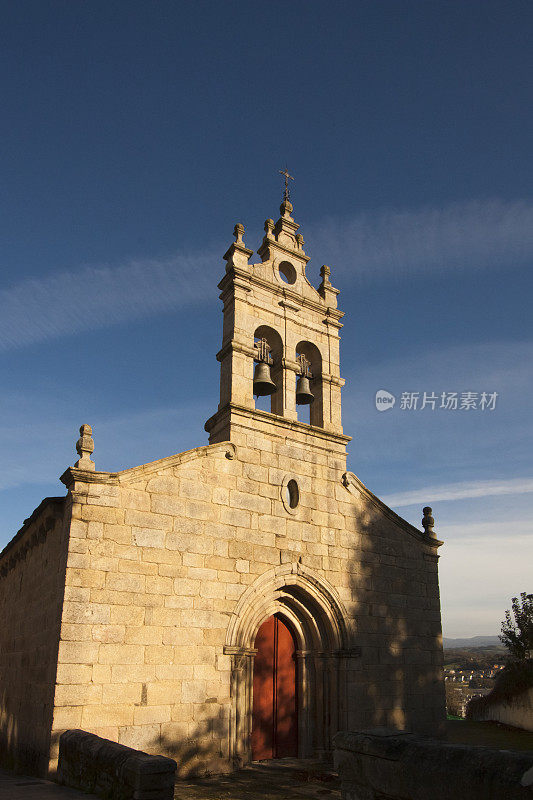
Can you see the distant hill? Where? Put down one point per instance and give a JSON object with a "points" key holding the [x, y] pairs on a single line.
{"points": [[474, 641]]}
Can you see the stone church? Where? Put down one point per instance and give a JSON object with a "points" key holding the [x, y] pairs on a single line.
{"points": [[243, 600]]}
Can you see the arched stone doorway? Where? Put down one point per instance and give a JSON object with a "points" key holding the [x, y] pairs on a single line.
{"points": [[311, 610]]}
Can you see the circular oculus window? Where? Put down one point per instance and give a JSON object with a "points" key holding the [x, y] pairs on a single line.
{"points": [[290, 494], [287, 273]]}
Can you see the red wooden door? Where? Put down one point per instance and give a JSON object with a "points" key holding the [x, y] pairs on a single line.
{"points": [[274, 722]]}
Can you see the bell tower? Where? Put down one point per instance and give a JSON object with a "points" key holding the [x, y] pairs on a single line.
{"points": [[281, 340]]}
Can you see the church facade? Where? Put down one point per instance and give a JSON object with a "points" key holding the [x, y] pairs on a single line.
{"points": [[246, 599]]}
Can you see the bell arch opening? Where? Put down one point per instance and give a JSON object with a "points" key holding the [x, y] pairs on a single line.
{"points": [[312, 612], [273, 370], [312, 412]]}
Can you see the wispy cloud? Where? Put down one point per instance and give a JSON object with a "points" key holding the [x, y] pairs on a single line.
{"points": [[473, 235], [460, 491], [96, 297], [50, 434], [38, 436]]}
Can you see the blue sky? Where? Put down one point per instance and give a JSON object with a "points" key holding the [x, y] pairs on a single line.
{"points": [[135, 135]]}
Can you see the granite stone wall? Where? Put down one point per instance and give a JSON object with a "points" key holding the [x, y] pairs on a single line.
{"points": [[173, 565], [516, 711], [109, 770], [32, 571], [381, 763]]}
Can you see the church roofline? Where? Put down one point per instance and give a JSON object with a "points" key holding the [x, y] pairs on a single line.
{"points": [[319, 305], [134, 473], [48, 501], [227, 448], [349, 478], [266, 245]]}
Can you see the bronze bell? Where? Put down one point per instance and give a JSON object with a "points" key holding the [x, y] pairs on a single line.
{"points": [[304, 395], [263, 383]]}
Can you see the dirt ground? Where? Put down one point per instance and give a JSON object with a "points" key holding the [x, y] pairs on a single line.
{"points": [[306, 780], [281, 780]]}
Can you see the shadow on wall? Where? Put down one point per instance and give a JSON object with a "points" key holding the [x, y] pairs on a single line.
{"points": [[202, 750], [397, 682], [8, 734], [32, 581], [24, 750], [391, 673], [25, 731]]}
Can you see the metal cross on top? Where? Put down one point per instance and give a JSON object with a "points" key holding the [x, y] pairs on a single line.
{"points": [[285, 173]]}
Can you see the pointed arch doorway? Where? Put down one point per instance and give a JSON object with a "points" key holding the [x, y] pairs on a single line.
{"points": [[275, 704], [312, 611]]}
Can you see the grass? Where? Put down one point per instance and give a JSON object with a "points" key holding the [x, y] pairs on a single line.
{"points": [[488, 734]]}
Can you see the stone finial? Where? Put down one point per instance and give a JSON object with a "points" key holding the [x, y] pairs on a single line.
{"points": [[238, 232], [269, 227], [285, 209], [427, 521], [325, 272], [326, 291], [299, 241], [237, 254], [84, 448]]}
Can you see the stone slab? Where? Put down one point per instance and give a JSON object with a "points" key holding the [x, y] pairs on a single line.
{"points": [[22, 787]]}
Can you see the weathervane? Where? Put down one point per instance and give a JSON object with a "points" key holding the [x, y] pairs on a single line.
{"points": [[286, 193]]}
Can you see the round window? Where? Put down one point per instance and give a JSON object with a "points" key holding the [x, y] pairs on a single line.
{"points": [[293, 495], [287, 273], [290, 495]]}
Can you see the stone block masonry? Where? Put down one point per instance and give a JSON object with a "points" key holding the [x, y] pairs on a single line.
{"points": [[381, 763], [146, 635], [111, 770], [155, 588], [32, 579]]}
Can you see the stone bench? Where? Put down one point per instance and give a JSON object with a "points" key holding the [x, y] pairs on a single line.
{"points": [[112, 770], [383, 763]]}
